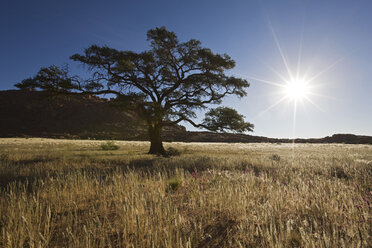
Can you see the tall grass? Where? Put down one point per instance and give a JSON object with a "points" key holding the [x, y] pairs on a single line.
{"points": [[59, 193]]}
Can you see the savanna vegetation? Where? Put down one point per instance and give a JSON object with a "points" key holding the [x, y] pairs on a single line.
{"points": [[65, 193]]}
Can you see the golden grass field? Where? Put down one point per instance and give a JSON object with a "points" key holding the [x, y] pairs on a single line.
{"points": [[71, 193]]}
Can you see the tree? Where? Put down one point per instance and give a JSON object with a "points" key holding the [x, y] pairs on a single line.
{"points": [[165, 84], [222, 118]]}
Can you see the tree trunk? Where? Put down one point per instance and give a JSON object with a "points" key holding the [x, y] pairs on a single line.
{"points": [[156, 140]]}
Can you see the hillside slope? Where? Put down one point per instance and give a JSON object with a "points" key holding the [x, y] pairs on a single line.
{"points": [[25, 113], [38, 114]]}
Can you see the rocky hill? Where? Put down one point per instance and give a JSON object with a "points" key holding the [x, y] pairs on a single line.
{"points": [[25, 113]]}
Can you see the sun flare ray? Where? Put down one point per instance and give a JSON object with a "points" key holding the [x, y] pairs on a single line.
{"points": [[281, 76], [271, 106], [280, 51], [325, 70], [314, 104], [294, 129], [299, 54], [320, 95], [262, 80]]}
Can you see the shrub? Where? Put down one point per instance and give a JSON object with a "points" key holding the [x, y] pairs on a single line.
{"points": [[109, 145], [171, 151], [275, 157], [339, 172], [294, 239], [174, 184]]}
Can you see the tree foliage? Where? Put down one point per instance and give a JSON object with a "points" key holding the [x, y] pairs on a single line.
{"points": [[165, 84], [222, 119]]}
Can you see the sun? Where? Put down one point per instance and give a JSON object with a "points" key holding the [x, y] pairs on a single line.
{"points": [[295, 86], [296, 89]]}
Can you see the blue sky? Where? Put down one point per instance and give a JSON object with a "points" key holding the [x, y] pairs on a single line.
{"points": [[36, 34]]}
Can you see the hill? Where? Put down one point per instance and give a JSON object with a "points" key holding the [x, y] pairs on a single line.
{"points": [[26, 113], [244, 138]]}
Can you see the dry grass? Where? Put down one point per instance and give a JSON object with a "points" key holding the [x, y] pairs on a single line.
{"points": [[61, 193]]}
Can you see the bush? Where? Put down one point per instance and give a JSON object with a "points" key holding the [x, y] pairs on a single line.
{"points": [[174, 184], [109, 145], [172, 152], [275, 157], [339, 172]]}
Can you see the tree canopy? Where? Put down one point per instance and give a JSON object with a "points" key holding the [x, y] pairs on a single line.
{"points": [[165, 84], [222, 119]]}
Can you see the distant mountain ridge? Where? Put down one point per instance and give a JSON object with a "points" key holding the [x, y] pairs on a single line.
{"points": [[25, 113], [244, 138]]}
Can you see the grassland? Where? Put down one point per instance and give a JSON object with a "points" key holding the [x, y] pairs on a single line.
{"points": [[64, 193]]}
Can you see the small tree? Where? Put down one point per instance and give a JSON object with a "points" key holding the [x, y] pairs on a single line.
{"points": [[165, 85], [222, 118]]}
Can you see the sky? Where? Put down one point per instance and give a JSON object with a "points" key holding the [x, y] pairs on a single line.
{"points": [[329, 41]]}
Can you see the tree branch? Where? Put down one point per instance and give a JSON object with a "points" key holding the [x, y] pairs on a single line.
{"points": [[171, 123]]}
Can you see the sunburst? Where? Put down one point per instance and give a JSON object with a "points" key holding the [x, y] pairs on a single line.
{"points": [[293, 87], [297, 89]]}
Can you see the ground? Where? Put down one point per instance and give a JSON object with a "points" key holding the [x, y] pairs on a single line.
{"points": [[78, 193]]}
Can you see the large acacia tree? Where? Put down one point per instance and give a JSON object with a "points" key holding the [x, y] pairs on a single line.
{"points": [[165, 84]]}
